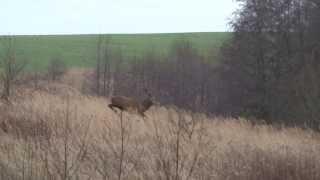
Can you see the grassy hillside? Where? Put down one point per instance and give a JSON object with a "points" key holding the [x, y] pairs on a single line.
{"points": [[80, 50]]}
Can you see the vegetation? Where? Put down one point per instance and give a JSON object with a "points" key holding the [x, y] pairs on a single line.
{"points": [[10, 65], [270, 68], [56, 68], [183, 78], [58, 124], [56, 132]]}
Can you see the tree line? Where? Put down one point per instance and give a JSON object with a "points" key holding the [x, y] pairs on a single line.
{"points": [[181, 78], [270, 68]]}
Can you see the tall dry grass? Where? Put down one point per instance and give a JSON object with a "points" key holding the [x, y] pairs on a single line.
{"points": [[58, 133]]}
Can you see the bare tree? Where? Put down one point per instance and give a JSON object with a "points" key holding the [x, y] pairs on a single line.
{"points": [[11, 67], [56, 68], [106, 72], [98, 63]]}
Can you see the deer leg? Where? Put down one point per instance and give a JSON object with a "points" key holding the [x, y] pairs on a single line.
{"points": [[113, 106], [142, 114]]}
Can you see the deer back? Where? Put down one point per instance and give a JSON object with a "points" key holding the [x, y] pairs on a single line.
{"points": [[125, 102]]}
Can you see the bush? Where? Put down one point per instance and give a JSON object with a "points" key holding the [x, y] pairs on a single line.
{"points": [[56, 68]]}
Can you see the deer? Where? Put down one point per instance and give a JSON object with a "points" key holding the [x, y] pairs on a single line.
{"points": [[124, 103]]}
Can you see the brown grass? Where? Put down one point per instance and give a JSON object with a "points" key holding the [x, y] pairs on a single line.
{"points": [[58, 133]]}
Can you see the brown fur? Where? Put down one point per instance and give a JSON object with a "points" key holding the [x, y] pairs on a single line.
{"points": [[126, 104]]}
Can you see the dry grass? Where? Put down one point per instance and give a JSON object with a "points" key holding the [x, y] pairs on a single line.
{"points": [[58, 133]]}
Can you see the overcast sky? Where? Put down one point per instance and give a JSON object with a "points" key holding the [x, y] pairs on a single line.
{"points": [[113, 16]]}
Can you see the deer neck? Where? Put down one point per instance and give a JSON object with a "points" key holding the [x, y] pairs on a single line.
{"points": [[145, 105]]}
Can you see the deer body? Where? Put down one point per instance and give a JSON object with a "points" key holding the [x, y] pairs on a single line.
{"points": [[126, 104]]}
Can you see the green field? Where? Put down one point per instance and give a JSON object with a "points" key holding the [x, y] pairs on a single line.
{"points": [[80, 50]]}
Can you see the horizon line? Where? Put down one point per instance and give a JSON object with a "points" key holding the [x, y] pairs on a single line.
{"points": [[143, 33]]}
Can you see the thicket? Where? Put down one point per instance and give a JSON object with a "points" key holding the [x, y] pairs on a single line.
{"points": [[184, 78], [270, 68]]}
